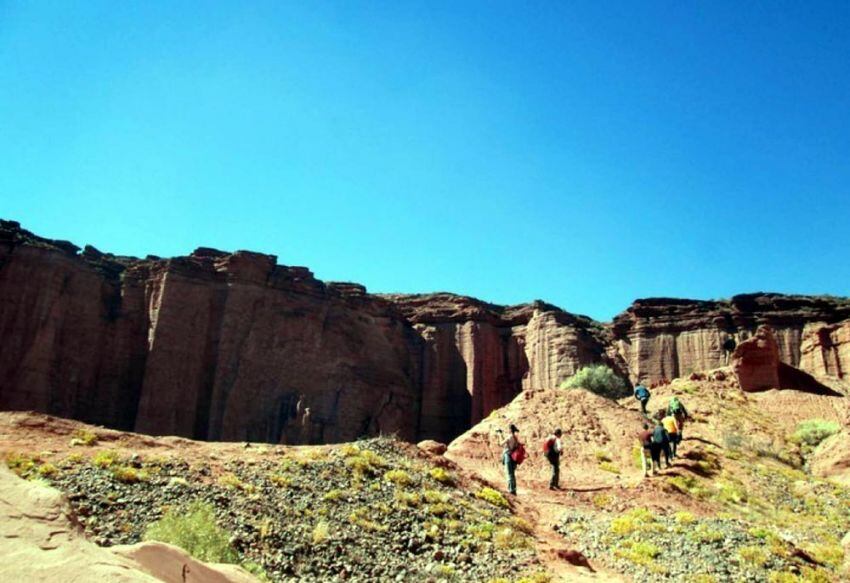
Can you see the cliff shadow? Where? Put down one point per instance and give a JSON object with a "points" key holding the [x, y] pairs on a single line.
{"points": [[798, 380]]}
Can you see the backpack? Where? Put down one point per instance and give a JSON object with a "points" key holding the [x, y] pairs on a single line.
{"points": [[519, 454], [641, 393], [659, 434], [675, 405], [548, 445]]}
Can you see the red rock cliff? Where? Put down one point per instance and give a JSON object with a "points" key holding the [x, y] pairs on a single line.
{"points": [[477, 357], [216, 345], [664, 338], [232, 346]]}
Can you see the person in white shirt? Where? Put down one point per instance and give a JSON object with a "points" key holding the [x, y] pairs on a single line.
{"points": [[552, 449]]}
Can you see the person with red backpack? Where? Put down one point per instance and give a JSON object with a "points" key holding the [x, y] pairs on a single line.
{"points": [[513, 454], [552, 451]]}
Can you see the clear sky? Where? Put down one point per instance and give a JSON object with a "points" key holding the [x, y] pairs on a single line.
{"points": [[584, 153]]}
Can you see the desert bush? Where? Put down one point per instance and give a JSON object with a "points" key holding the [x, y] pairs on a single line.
{"points": [[321, 532], [398, 477], [755, 555], [195, 531], [128, 474], [598, 379], [83, 437], [105, 458], [47, 470], [441, 475], [813, 431], [492, 496]]}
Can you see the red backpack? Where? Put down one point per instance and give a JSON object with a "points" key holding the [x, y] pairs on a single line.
{"points": [[548, 444], [519, 454]]}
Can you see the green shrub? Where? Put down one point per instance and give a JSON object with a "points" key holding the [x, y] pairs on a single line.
{"points": [[813, 431], [754, 555], [598, 379], [195, 531], [20, 463], [321, 532], [492, 496], [83, 437], [398, 477], [684, 518], [129, 475], [105, 458], [47, 470], [441, 475]]}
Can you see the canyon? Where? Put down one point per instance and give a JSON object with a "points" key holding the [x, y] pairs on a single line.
{"points": [[236, 347]]}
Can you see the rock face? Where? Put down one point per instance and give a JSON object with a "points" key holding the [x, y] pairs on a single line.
{"points": [[756, 361], [226, 346], [476, 357], [825, 350], [40, 540], [664, 338], [233, 346]]}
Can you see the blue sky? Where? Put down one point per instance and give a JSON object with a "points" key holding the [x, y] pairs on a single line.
{"points": [[584, 153]]}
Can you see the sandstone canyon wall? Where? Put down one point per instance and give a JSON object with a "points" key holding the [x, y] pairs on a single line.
{"points": [[664, 338], [233, 346], [212, 346]]}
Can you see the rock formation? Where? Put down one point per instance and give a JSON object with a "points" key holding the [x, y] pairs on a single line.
{"points": [[41, 540], [226, 346], [825, 350], [664, 338], [756, 361], [476, 357], [233, 346]]}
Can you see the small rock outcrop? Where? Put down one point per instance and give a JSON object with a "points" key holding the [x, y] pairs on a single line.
{"points": [[756, 361], [40, 540]]}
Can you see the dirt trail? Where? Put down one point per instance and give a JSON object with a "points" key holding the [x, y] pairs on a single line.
{"points": [[599, 441]]}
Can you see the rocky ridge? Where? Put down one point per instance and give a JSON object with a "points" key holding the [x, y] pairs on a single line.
{"points": [[234, 346]]}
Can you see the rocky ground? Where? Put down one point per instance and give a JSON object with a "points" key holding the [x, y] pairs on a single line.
{"points": [[739, 504], [364, 511], [742, 502]]}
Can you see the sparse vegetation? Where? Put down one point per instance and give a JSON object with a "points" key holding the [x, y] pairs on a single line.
{"points": [[398, 477], [83, 437], [195, 531], [492, 496], [441, 475], [321, 532], [598, 379], [812, 432], [128, 474], [105, 458]]}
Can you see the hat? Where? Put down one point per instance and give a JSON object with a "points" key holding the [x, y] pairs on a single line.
{"points": [[514, 429]]}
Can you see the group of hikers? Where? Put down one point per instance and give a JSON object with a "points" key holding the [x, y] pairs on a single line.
{"points": [[660, 436]]}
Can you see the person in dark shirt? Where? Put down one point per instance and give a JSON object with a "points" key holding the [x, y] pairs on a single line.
{"points": [[644, 438], [728, 349]]}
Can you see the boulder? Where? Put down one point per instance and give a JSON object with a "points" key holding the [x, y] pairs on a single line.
{"points": [[41, 540], [756, 361], [432, 447]]}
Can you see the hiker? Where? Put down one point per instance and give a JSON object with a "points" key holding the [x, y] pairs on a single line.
{"points": [[728, 349], [642, 394], [552, 450], [512, 455], [676, 407], [660, 442], [671, 426], [644, 438]]}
